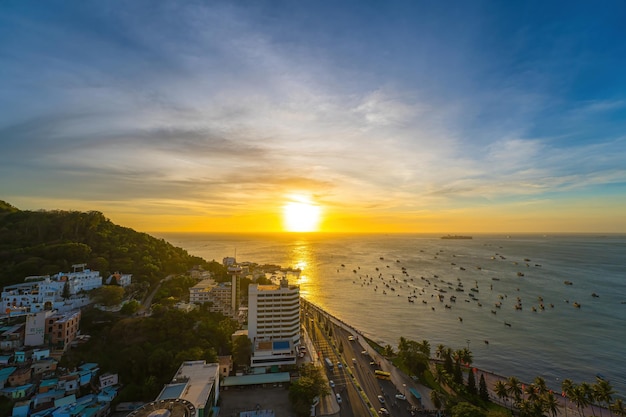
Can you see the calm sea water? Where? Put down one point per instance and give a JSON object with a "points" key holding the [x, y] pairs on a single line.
{"points": [[556, 342]]}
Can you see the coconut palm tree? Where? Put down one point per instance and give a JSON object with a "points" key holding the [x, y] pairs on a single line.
{"points": [[540, 384], [567, 386], [514, 388], [603, 393], [618, 407], [440, 350], [501, 391], [580, 398], [531, 393], [425, 348], [588, 393], [437, 399], [549, 403]]}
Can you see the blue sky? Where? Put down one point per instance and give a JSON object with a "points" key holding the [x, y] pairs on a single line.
{"points": [[399, 116]]}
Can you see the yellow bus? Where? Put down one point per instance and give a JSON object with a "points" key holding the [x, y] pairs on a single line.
{"points": [[382, 374]]}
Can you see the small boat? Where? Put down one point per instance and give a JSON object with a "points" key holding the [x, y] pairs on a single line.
{"points": [[486, 342], [460, 319], [568, 283], [594, 295], [575, 304], [507, 324], [520, 274]]}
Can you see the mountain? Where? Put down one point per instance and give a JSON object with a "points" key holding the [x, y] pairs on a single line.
{"points": [[46, 242]]}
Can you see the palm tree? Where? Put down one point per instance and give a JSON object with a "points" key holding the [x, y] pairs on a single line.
{"points": [[603, 392], [514, 388], [588, 393], [501, 391], [532, 393], [440, 350], [549, 403], [618, 407], [425, 348], [579, 397], [436, 399], [540, 384], [567, 386]]}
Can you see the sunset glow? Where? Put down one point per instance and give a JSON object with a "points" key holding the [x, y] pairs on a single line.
{"points": [[380, 112], [301, 216]]}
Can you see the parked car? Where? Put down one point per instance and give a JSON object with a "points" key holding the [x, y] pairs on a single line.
{"points": [[381, 399], [331, 383], [383, 412], [401, 397], [338, 398], [339, 365]]}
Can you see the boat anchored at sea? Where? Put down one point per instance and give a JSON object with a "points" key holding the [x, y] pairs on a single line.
{"points": [[456, 237]]}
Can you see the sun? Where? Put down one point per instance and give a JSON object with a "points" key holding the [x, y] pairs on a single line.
{"points": [[301, 216]]}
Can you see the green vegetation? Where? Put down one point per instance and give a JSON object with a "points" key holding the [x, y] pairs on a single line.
{"points": [[309, 385], [146, 351], [455, 388], [47, 242]]}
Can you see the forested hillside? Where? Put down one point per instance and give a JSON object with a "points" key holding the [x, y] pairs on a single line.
{"points": [[47, 242]]}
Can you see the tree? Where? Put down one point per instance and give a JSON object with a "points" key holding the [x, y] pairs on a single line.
{"points": [[465, 409], [483, 393], [549, 404], [66, 291], [501, 390], [603, 392], [618, 407], [579, 396], [388, 351], [108, 295], [567, 387], [471, 383], [458, 374], [303, 391], [242, 350], [436, 399], [130, 307], [514, 388]]}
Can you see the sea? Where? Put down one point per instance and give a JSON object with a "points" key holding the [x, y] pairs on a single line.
{"points": [[570, 293]]}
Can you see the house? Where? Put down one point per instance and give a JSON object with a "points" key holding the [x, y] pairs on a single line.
{"points": [[21, 376], [15, 393]]}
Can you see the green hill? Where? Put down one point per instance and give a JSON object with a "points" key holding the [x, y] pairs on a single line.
{"points": [[47, 242]]}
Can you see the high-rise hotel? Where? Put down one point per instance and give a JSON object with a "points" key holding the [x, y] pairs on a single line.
{"points": [[274, 323]]}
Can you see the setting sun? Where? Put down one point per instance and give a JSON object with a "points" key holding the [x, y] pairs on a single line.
{"points": [[301, 216]]}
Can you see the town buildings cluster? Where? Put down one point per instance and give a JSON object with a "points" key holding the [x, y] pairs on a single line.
{"points": [[41, 321], [48, 310]]}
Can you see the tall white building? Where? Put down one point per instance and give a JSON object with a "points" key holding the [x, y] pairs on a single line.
{"points": [[274, 312]]}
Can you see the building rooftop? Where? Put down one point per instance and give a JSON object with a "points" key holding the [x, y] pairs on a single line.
{"points": [[257, 379], [193, 382]]}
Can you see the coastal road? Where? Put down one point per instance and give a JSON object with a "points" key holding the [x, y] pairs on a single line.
{"points": [[351, 402]]}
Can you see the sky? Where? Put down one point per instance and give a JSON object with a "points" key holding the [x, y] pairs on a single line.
{"points": [[386, 116]]}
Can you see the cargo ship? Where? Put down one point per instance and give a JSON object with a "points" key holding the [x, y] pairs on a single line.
{"points": [[456, 237]]}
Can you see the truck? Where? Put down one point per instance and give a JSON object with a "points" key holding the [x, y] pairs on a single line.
{"points": [[329, 363]]}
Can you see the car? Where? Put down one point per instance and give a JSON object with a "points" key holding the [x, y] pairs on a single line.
{"points": [[331, 383], [364, 352], [353, 360], [338, 398], [351, 338], [381, 399], [401, 397], [339, 365], [383, 412]]}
